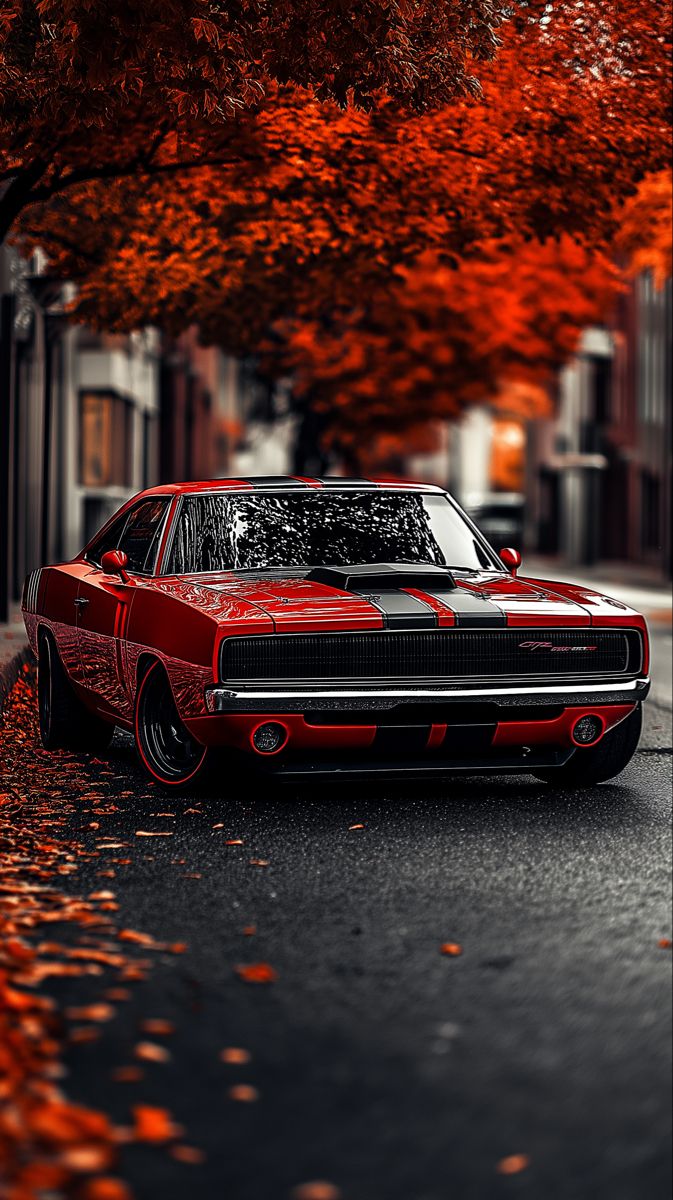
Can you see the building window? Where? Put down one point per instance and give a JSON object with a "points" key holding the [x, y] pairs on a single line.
{"points": [[105, 440]]}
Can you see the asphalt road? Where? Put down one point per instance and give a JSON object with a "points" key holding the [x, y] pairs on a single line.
{"points": [[382, 1065]]}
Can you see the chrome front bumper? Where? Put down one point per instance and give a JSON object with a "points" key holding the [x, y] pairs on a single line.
{"points": [[303, 698]]}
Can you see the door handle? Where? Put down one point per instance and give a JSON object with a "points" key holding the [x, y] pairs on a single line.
{"points": [[81, 601]]}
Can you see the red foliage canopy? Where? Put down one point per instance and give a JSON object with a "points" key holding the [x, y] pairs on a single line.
{"points": [[88, 90], [382, 249]]}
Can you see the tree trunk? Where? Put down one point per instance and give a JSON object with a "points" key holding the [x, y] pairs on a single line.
{"points": [[16, 195], [308, 455]]}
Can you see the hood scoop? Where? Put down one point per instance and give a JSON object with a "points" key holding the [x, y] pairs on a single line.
{"points": [[383, 577]]}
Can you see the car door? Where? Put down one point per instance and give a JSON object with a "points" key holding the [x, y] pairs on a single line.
{"points": [[104, 601]]}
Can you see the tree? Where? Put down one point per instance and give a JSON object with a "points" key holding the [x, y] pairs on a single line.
{"points": [[646, 227], [439, 339], [89, 91], [321, 232]]}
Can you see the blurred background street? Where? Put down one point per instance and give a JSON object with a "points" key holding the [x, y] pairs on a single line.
{"points": [[89, 418]]}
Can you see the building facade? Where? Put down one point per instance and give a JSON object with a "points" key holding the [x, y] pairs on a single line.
{"points": [[598, 479], [87, 419]]}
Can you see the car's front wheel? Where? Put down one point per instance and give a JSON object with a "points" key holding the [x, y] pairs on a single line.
{"points": [[65, 723], [167, 750], [607, 758]]}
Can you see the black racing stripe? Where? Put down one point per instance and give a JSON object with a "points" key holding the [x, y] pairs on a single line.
{"points": [[470, 610], [273, 481], [400, 740], [336, 482], [400, 610]]}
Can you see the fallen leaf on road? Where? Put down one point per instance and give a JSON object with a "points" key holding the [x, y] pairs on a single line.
{"points": [[127, 1074], [452, 949], [317, 1189], [513, 1164], [234, 1054], [259, 862], [355, 827], [256, 973], [154, 833], [87, 1159], [157, 1026], [664, 943], [234, 842], [249, 930], [187, 1154], [91, 1012], [243, 1093], [81, 1036], [151, 1052], [153, 1124], [132, 935], [105, 1188]]}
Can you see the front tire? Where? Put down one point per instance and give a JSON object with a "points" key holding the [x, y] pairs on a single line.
{"points": [[166, 749], [65, 722], [596, 764]]}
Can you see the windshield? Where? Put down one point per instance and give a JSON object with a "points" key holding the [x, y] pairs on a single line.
{"points": [[248, 531]]}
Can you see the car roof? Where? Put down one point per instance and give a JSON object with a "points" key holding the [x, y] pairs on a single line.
{"points": [[263, 483]]}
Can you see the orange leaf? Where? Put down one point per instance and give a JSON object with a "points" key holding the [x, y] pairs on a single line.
{"points": [[150, 1052], [234, 1054], [452, 949], [244, 1093], [187, 1154], [153, 1124], [157, 1026], [256, 973], [105, 1188], [91, 1012], [316, 1189], [513, 1164]]}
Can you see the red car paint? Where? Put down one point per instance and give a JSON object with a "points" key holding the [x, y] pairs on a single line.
{"points": [[109, 631]]}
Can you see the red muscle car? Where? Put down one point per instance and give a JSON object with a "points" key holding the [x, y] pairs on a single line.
{"points": [[329, 625]]}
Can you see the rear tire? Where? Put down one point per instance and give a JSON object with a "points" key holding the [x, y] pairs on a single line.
{"points": [[166, 749], [65, 722], [595, 764]]}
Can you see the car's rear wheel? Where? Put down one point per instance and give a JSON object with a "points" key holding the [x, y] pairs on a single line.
{"points": [[166, 748], [65, 722], [607, 758]]}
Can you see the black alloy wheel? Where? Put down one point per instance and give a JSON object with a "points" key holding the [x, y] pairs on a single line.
{"points": [[167, 750]]}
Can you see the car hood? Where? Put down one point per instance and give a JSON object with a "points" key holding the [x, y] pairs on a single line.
{"points": [[292, 603]]}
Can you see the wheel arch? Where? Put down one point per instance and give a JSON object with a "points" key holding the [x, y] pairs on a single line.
{"points": [[44, 633], [147, 659]]}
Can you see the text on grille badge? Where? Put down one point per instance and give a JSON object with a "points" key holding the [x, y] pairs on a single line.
{"points": [[556, 649]]}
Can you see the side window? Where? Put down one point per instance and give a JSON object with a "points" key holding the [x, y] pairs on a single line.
{"points": [[107, 540], [140, 539]]}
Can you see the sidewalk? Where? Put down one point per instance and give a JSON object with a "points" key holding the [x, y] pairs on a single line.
{"points": [[14, 652]]}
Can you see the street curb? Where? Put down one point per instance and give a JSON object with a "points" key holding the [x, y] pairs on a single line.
{"points": [[10, 671]]}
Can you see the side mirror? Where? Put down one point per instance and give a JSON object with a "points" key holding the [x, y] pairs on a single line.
{"points": [[511, 559], [114, 562]]}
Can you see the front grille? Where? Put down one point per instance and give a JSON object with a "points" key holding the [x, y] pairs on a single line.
{"points": [[431, 655]]}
